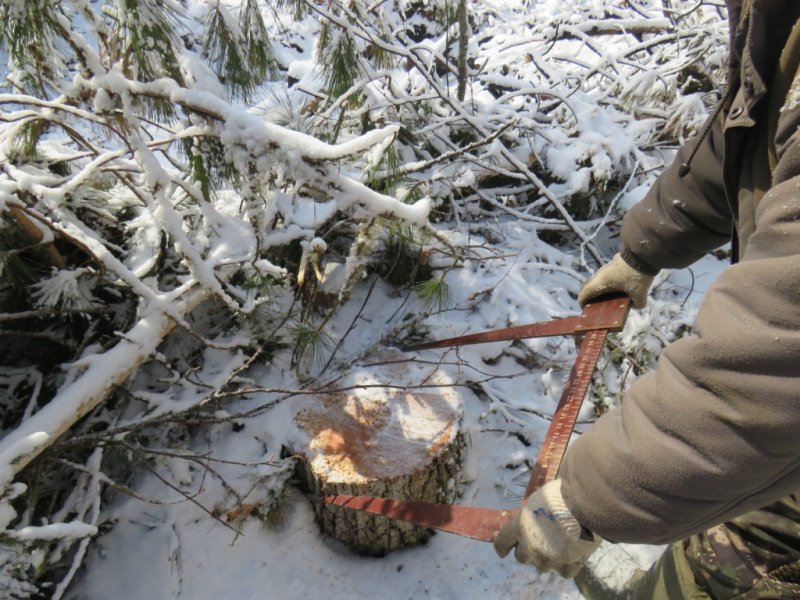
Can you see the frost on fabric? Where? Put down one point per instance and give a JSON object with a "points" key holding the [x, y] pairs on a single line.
{"points": [[793, 97]]}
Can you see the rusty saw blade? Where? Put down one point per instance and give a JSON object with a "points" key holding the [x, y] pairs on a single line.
{"points": [[596, 320], [467, 521], [598, 315]]}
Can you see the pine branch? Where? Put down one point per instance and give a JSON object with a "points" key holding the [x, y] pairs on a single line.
{"points": [[37, 235], [38, 335], [101, 373], [419, 166], [239, 53], [44, 313], [191, 498], [475, 124]]}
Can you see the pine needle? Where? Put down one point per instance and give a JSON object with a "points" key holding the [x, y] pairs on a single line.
{"points": [[436, 294], [310, 348]]}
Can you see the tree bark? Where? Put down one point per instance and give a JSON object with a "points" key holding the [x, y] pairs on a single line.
{"points": [[403, 445], [35, 235], [463, 44]]}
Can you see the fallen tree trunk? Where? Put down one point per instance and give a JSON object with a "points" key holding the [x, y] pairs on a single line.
{"points": [[101, 373], [391, 443]]}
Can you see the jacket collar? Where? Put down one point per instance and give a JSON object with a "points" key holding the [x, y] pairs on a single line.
{"points": [[758, 30]]}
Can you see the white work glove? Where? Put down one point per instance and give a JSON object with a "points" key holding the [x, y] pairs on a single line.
{"points": [[617, 277], [545, 534]]}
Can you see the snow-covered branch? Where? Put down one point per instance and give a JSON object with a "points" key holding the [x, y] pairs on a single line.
{"points": [[189, 190]]}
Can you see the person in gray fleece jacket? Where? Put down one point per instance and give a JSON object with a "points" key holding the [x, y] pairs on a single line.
{"points": [[704, 452]]}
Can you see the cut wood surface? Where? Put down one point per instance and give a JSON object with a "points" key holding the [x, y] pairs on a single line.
{"points": [[388, 442]]}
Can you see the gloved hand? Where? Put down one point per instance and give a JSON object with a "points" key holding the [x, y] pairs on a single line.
{"points": [[617, 276], [546, 534]]}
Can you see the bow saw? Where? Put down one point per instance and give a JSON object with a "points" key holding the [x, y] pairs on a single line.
{"points": [[594, 323]]}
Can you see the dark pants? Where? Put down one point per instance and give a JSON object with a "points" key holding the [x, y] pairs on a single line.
{"points": [[755, 556]]}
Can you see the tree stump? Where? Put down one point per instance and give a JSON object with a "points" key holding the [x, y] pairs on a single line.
{"points": [[393, 442]]}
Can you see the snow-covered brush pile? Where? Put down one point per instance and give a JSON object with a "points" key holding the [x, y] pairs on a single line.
{"points": [[530, 108], [190, 190]]}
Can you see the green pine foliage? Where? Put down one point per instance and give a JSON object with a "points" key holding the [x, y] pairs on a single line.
{"points": [[312, 347], [338, 57], [20, 565], [142, 40], [298, 8], [385, 175], [24, 140], [259, 50], [208, 166], [143, 37], [403, 262], [435, 294], [29, 32], [279, 507], [238, 51]]}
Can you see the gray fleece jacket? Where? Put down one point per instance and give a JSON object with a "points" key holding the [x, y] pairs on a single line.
{"points": [[714, 431]]}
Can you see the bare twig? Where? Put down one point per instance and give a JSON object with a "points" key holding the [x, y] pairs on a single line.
{"points": [[47, 313], [191, 498]]}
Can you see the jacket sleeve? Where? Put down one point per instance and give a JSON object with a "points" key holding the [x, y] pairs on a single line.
{"points": [[681, 218], [714, 431]]}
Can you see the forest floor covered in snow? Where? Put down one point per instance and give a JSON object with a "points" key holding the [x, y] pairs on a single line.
{"points": [[179, 479], [176, 550]]}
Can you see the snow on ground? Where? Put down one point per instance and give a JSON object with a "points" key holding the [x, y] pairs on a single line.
{"points": [[164, 543], [174, 555], [176, 550]]}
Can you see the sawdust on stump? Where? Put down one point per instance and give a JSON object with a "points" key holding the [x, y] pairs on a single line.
{"points": [[387, 442]]}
